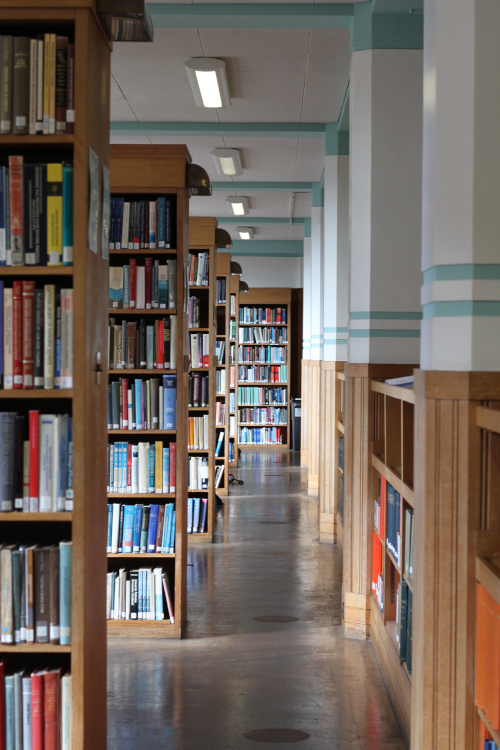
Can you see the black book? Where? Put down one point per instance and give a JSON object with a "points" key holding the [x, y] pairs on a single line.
{"points": [[110, 407], [166, 343], [18, 462], [120, 531], [115, 386], [38, 339], [21, 85], [40, 215], [131, 224], [145, 528], [403, 641], [168, 223], [134, 594], [141, 362], [409, 635], [142, 231]]}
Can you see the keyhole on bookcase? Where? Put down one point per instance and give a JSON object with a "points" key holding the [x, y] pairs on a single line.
{"points": [[98, 368]]}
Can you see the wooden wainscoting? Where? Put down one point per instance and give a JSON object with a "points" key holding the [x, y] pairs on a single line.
{"points": [[329, 451], [304, 422]]}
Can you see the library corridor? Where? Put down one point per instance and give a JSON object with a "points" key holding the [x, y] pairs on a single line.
{"points": [[263, 658]]}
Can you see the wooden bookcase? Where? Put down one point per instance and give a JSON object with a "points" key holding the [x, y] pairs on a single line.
{"points": [[272, 297], [202, 239], [339, 487], [392, 461], [85, 658], [234, 289], [488, 567], [147, 172], [223, 268]]}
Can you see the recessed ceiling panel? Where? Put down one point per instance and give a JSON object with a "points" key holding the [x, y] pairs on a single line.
{"points": [[258, 50], [269, 97], [302, 205]]}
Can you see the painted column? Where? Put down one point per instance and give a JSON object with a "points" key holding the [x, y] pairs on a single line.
{"points": [[306, 345], [460, 359]]}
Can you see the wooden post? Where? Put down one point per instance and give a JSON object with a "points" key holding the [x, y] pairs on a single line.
{"points": [[314, 427], [329, 470], [304, 421]]}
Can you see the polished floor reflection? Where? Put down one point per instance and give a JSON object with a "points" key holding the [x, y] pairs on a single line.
{"points": [[263, 648]]}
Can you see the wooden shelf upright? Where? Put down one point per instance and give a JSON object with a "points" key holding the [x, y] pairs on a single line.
{"points": [[234, 290], [223, 268], [263, 298], [146, 173], [85, 526], [202, 232]]}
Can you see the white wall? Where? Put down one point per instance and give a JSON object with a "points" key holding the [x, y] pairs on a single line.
{"points": [[262, 271]]}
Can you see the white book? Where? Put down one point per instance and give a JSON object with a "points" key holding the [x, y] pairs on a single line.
{"points": [[67, 338], [127, 600], [66, 712], [109, 593], [60, 445], [115, 528], [116, 610], [199, 275], [143, 468], [158, 594], [135, 470], [153, 239], [49, 313], [125, 224], [205, 431], [160, 406], [173, 340], [152, 594], [46, 462], [27, 720], [123, 594], [18, 710], [140, 294]]}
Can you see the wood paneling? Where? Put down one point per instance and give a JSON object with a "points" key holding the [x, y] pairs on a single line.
{"points": [[329, 471], [304, 421], [148, 168], [314, 427], [268, 296]]}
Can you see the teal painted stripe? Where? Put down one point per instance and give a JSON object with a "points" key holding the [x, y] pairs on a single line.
{"points": [[386, 333], [335, 330], [463, 272], [307, 228], [385, 315], [462, 309], [330, 342], [258, 16], [248, 129], [269, 187], [343, 123], [336, 140], [318, 194], [270, 248], [255, 220], [317, 336], [385, 30]]}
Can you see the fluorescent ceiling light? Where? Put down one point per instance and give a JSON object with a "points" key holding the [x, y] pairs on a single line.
{"points": [[246, 233], [227, 161], [208, 80], [238, 206]]}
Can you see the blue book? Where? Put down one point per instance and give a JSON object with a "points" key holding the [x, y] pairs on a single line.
{"points": [[126, 287], [1, 333], [190, 515], [166, 471], [391, 512], [204, 502], [169, 402], [397, 526], [161, 222], [110, 527], [65, 564], [153, 527], [196, 514], [124, 467], [138, 405], [165, 542], [10, 713], [220, 441], [67, 190], [151, 467], [3, 217], [128, 528], [172, 533], [147, 595], [168, 223], [137, 528], [69, 468]]}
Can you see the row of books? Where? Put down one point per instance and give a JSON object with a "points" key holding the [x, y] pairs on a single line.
{"points": [[232, 426], [36, 336], [490, 745], [378, 571], [197, 389], [393, 521], [141, 469], [199, 349], [221, 291], [220, 350], [409, 523], [262, 314], [262, 374], [404, 619], [264, 416], [143, 404], [260, 436], [196, 514], [341, 452], [37, 91], [220, 382], [198, 430], [252, 396], [198, 269], [140, 529], [232, 304], [264, 335], [261, 354], [487, 691], [138, 595], [142, 345], [198, 473], [141, 225], [152, 286], [37, 462], [35, 713], [194, 312], [220, 413], [36, 593], [36, 214]]}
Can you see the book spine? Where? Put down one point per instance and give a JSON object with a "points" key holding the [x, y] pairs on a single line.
{"points": [[6, 85], [48, 336], [54, 213], [39, 83], [66, 712], [21, 85], [70, 96], [61, 82], [66, 338], [67, 215], [58, 342], [172, 466], [52, 83], [17, 320], [149, 282], [28, 361], [16, 210], [33, 86]]}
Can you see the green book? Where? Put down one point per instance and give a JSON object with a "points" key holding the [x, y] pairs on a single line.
{"points": [[408, 528], [409, 634], [403, 639]]}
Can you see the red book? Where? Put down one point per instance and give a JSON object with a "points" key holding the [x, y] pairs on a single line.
{"points": [[191, 269], [129, 465], [70, 82], [28, 303], [125, 425], [172, 465], [148, 273], [51, 690], [160, 345], [17, 328], [2, 706], [16, 211], [37, 728], [132, 294], [33, 433]]}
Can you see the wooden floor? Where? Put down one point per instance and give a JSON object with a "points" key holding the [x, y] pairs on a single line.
{"points": [[234, 674]]}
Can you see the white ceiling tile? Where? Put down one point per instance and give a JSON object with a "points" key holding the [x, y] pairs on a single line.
{"points": [[302, 205], [270, 97], [143, 139], [184, 42], [262, 50], [295, 232]]}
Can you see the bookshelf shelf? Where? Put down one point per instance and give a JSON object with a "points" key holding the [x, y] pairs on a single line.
{"points": [[35, 648], [37, 140], [198, 408], [37, 394], [340, 428], [199, 330], [35, 270], [19, 517], [147, 173], [140, 554], [198, 450]]}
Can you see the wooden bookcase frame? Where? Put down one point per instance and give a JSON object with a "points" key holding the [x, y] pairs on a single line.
{"points": [[151, 171], [339, 412], [269, 297], [223, 270], [201, 239], [86, 525], [234, 290]]}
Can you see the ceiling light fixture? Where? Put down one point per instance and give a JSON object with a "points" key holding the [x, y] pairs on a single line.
{"points": [[227, 161], [238, 206], [208, 80], [246, 233]]}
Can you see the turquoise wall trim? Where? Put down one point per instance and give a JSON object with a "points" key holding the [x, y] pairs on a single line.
{"points": [[387, 315], [381, 30], [256, 221], [307, 228], [274, 187], [336, 342], [387, 333], [335, 330], [258, 16], [249, 129], [318, 194], [276, 248], [463, 272], [462, 309], [317, 336], [343, 123], [336, 141]]}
